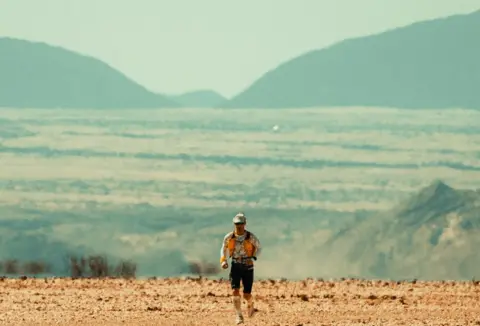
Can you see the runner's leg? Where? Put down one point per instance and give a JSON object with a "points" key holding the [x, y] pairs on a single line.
{"points": [[247, 281], [235, 277]]}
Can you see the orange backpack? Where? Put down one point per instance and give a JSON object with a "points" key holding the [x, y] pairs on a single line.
{"points": [[247, 245]]}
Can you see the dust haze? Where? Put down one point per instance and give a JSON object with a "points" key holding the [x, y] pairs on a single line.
{"points": [[160, 187]]}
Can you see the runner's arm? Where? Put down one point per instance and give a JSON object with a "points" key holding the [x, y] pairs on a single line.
{"points": [[257, 244], [224, 250]]}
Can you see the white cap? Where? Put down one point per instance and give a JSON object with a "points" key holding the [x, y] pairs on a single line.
{"points": [[240, 218]]}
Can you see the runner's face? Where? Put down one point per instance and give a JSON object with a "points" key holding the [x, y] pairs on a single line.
{"points": [[239, 227]]}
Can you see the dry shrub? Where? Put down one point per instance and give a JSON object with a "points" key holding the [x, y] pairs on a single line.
{"points": [[126, 269], [97, 266], [90, 266], [77, 266], [10, 266], [202, 268], [194, 267], [35, 267], [13, 266]]}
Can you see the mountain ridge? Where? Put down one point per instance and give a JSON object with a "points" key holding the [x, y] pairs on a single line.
{"points": [[202, 98], [414, 66], [430, 235], [40, 75]]}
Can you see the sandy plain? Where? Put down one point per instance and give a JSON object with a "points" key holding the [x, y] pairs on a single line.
{"points": [[199, 301]]}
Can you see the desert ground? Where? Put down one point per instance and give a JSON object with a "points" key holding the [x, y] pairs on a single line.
{"points": [[201, 301]]}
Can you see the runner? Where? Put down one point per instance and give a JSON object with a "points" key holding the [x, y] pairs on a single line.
{"points": [[243, 247]]}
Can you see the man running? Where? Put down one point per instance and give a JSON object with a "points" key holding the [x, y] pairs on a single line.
{"points": [[242, 247]]}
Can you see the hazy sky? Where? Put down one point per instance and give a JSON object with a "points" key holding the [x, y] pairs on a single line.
{"points": [[173, 46]]}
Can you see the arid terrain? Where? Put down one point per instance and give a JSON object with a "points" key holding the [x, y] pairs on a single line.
{"points": [[200, 301]]}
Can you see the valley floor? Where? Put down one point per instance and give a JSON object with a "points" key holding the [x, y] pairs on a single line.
{"points": [[207, 302]]}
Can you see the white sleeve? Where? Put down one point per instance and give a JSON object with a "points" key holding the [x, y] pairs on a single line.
{"points": [[224, 250], [257, 244]]}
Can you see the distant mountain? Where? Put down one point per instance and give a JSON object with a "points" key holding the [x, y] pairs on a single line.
{"points": [[38, 75], [432, 235], [199, 99], [430, 64]]}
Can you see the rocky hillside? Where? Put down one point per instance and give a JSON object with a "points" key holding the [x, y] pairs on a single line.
{"points": [[432, 235], [199, 99], [37, 75], [430, 64]]}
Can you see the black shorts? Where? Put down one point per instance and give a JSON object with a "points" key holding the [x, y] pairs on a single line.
{"points": [[244, 273]]}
